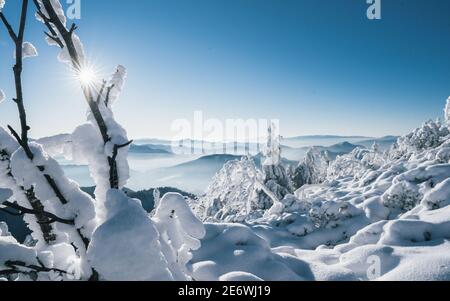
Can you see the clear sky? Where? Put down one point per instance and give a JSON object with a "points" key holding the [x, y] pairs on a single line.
{"points": [[320, 66]]}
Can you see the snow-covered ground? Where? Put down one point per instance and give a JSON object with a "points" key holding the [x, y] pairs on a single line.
{"points": [[379, 213], [366, 215], [374, 216]]}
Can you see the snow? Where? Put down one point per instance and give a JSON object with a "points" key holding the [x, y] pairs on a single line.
{"points": [[365, 215], [126, 246], [372, 216], [29, 50], [80, 206], [2, 96], [239, 276], [229, 248], [180, 232], [2, 4]]}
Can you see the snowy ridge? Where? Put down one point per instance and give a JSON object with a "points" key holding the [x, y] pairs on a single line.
{"points": [[390, 209]]}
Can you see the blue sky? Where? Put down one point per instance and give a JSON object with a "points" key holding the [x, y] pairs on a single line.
{"points": [[320, 66]]}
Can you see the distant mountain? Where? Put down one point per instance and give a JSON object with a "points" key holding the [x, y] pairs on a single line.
{"points": [[325, 137], [193, 176], [142, 141], [342, 148], [220, 159], [149, 149], [320, 140], [383, 142], [297, 154]]}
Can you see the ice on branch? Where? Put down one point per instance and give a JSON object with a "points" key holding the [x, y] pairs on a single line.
{"points": [[2, 4], [2, 96], [116, 84], [28, 50]]}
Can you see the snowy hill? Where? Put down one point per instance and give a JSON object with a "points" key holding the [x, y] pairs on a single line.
{"points": [[368, 216]]}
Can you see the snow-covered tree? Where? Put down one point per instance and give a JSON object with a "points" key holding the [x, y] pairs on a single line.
{"points": [[232, 193], [73, 234], [430, 135], [275, 174], [313, 168]]}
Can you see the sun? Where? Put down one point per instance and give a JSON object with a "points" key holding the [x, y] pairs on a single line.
{"points": [[87, 75]]}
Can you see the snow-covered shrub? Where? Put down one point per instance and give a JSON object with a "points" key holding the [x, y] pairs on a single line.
{"points": [[403, 196], [180, 233], [348, 165], [438, 197], [328, 214], [430, 135], [313, 169], [229, 195]]}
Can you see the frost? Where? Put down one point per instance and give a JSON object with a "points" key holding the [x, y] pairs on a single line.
{"points": [[29, 50]]}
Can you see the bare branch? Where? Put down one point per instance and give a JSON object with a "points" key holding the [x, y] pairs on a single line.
{"points": [[8, 26], [55, 39], [108, 95], [100, 93], [52, 217]]}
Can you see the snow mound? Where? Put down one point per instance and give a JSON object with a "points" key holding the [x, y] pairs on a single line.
{"points": [[126, 246], [228, 248]]}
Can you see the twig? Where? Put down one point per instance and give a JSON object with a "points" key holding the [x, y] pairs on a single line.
{"points": [[52, 217]]}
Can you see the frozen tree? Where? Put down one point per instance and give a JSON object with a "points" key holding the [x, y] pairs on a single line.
{"points": [[61, 213], [313, 169], [75, 233], [430, 135], [240, 191], [275, 175], [230, 195], [348, 165]]}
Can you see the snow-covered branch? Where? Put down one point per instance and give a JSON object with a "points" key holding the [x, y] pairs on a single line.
{"points": [[52, 15]]}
